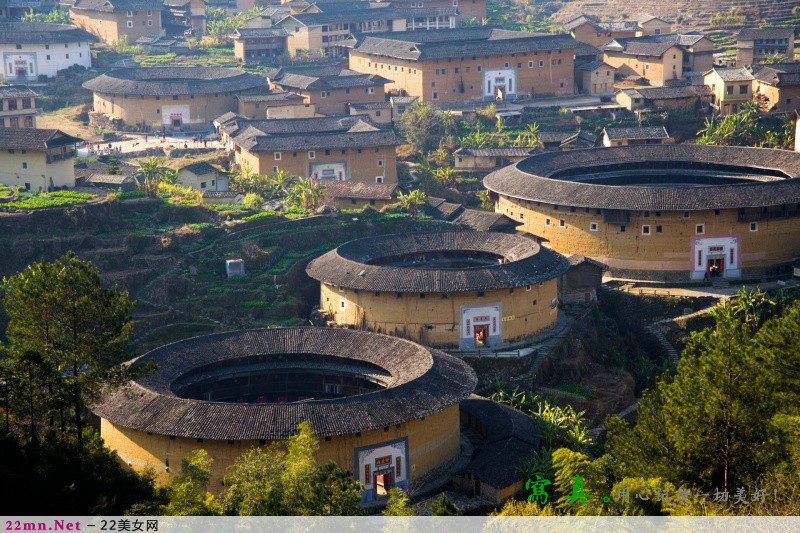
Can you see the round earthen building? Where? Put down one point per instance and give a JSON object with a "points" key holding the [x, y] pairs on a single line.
{"points": [[384, 408], [661, 212], [451, 290]]}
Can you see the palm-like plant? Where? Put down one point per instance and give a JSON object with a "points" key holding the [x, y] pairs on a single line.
{"points": [[412, 201], [445, 176], [151, 173], [486, 199], [308, 192]]}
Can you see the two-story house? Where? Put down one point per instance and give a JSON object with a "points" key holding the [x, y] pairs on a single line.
{"points": [[37, 159], [17, 107], [118, 20], [730, 88], [754, 44]]}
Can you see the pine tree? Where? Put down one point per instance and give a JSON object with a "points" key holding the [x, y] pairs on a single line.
{"points": [[444, 507], [398, 504]]}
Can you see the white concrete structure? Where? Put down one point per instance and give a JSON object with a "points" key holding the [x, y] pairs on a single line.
{"points": [[32, 50]]}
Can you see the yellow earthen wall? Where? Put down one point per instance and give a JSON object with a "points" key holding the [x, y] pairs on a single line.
{"points": [[418, 78], [409, 315], [362, 167], [775, 241], [432, 441], [136, 110]]}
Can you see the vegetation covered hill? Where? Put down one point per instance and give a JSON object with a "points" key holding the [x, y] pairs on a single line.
{"points": [[688, 15]]}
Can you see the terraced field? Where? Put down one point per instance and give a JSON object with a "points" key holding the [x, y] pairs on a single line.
{"points": [[687, 14]]}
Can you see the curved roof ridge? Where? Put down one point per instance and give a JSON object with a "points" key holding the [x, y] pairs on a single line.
{"points": [[425, 381]]}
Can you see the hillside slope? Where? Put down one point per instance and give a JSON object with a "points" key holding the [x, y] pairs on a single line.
{"points": [[686, 14]]}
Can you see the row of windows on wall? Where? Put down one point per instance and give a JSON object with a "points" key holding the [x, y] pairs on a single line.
{"points": [[646, 228], [313, 154], [47, 46], [478, 68]]}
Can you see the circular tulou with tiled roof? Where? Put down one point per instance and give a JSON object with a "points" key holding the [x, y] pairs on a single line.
{"points": [[173, 81], [369, 397], [661, 212], [406, 381], [438, 262], [458, 289], [168, 98]]}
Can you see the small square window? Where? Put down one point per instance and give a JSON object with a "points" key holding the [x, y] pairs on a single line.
{"points": [[700, 229], [380, 162], [622, 229], [593, 226], [547, 222], [686, 214], [312, 154], [562, 223], [24, 165], [527, 287], [277, 156], [478, 68], [323, 94], [378, 179], [530, 64], [130, 24], [646, 214], [754, 226], [645, 230], [716, 212], [342, 304], [435, 96], [659, 229]]}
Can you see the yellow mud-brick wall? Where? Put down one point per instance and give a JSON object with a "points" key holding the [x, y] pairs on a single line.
{"points": [[773, 241], [362, 167], [335, 100], [148, 110], [419, 78], [432, 442], [112, 26], [655, 69], [525, 310]]}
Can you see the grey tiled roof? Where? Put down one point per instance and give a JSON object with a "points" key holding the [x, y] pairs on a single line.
{"points": [[115, 6], [420, 382], [733, 74], [458, 42], [577, 259], [272, 96], [668, 93], [531, 179], [34, 139], [494, 152], [16, 91], [583, 49], [642, 133], [111, 179], [640, 46], [751, 34], [355, 16], [201, 168], [371, 105], [483, 220], [593, 65], [511, 438], [347, 265], [171, 81], [244, 33], [326, 78], [354, 131], [779, 75], [221, 194], [364, 191], [42, 33]]}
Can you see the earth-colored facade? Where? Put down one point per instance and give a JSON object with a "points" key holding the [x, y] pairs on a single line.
{"points": [[451, 290], [315, 374], [170, 98], [661, 212]]}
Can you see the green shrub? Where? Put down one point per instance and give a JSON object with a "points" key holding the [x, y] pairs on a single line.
{"points": [[260, 214], [129, 195], [51, 199], [252, 200]]}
